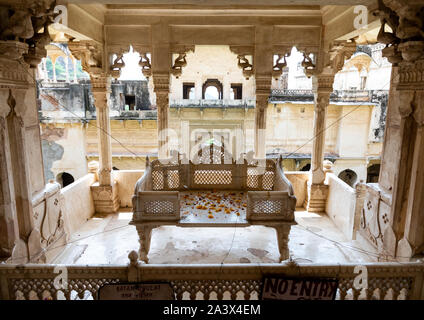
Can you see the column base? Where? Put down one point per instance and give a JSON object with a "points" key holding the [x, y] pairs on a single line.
{"points": [[317, 197], [105, 198]]}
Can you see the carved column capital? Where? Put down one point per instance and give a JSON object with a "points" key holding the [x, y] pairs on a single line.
{"points": [[161, 83], [100, 88], [323, 83]]}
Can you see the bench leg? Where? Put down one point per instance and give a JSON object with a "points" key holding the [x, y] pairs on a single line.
{"points": [[144, 235], [283, 241]]}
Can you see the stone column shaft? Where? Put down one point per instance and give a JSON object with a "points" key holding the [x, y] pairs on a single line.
{"points": [[161, 88], [260, 125], [317, 190], [100, 92], [263, 90], [105, 192]]}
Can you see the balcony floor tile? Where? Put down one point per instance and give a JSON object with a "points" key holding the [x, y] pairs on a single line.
{"points": [[109, 239]]}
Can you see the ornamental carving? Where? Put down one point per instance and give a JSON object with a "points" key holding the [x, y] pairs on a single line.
{"points": [[245, 65], [117, 62], [27, 22], [280, 64], [405, 41], [90, 54], [178, 65], [161, 83], [146, 66], [180, 61], [339, 52]]}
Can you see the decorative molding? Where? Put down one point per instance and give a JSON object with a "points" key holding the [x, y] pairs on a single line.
{"points": [[243, 50], [161, 83]]}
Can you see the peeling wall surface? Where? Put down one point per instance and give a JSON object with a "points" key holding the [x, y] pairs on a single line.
{"points": [[62, 101]]}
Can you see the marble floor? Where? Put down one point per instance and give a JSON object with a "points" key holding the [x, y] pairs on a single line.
{"points": [[108, 240]]}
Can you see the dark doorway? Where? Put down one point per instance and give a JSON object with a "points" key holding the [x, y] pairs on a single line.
{"points": [[130, 102], [65, 179], [373, 173], [306, 167], [349, 177]]}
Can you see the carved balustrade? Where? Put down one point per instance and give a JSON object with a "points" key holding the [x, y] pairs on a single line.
{"points": [[386, 281]]}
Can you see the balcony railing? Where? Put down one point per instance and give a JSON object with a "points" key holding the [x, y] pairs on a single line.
{"points": [[204, 103], [336, 96], [386, 281]]}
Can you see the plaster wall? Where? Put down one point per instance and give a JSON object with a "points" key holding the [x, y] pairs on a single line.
{"points": [[340, 206], [64, 149], [77, 203], [212, 62], [299, 182]]}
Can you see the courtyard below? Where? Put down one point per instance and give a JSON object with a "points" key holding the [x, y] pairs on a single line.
{"points": [[108, 239]]}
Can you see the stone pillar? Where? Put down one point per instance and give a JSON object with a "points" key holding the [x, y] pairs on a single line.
{"points": [[260, 125], [92, 56], [317, 190], [53, 59], [262, 66], [105, 192], [20, 240], [46, 73], [161, 88], [66, 68], [398, 202], [74, 63]]}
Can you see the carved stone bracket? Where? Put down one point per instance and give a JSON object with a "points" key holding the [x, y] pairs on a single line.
{"points": [[116, 62], [309, 62], [90, 54], [243, 62], [339, 52], [145, 64], [180, 61]]}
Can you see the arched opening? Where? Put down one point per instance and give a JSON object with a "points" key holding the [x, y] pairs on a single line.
{"points": [[306, 167], [349, 176], [212, 90], [373, 172], [65, 179]]}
